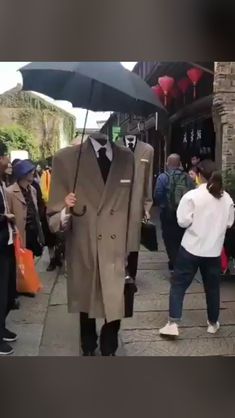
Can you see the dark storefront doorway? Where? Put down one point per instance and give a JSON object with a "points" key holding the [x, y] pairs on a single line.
{"points": [[195, 137]]}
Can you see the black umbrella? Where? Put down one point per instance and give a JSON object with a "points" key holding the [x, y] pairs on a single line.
{"points": [[97, 86]]}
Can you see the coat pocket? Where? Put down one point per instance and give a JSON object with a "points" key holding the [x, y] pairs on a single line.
{"points": [[144, 161]]}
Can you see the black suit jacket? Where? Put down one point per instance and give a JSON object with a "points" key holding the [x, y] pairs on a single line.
{"points": [[4, 232]]}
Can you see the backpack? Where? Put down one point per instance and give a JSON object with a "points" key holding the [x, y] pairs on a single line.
{"points": [[178, 185]]}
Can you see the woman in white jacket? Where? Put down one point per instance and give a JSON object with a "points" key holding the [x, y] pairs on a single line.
{"points": [[206, 213]]}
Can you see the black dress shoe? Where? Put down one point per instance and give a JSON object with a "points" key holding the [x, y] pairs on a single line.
{"points": [[89, 354], [52, 265], [109, 355], [59, 263]]}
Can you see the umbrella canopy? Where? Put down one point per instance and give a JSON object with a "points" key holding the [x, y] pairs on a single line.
{"points": [[97, 86]]}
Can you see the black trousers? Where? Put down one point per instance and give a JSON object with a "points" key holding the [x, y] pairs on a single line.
{"points": [[132, 265], [32, 242], [108, 336], [185, 269], [172, 236], [7, 284]]}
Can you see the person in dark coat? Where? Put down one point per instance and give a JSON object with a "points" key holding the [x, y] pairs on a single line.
{"points": [[7, 260]]}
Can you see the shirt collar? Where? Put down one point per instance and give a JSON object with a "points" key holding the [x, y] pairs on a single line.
{"points": [[130, 142], [96, 145]]}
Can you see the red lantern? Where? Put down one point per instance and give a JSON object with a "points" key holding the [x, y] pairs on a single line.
{"points": [[183, 85], [166, 84], [195, 75], [158, 91]]}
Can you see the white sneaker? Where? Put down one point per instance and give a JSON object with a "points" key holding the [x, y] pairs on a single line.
{"points": [[171, 330], [212, 329]]}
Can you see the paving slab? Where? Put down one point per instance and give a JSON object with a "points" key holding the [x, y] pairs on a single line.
{"points": [[59, 294], [149, 320], [140, 334], [196, 347], [61, 329], [29, 321], [193, 301], [152, 335], [61, 333], [29, 339]]}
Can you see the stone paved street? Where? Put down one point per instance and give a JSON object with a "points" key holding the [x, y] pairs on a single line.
{"points": [[43, 324], [140, 336], [46, 329]]}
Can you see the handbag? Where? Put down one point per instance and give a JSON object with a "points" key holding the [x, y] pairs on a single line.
{"points": [[28, 281], [224, 261], [149, 236]]}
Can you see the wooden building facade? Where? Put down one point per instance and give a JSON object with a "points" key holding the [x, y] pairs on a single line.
{"points": [[190, 129]]}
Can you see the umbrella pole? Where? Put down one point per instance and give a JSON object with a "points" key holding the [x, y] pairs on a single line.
{"points": [[78, 166], [80, 152]]}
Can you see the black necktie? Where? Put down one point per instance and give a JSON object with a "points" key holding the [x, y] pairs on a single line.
{"points": [[131, 146], [104, 163]]}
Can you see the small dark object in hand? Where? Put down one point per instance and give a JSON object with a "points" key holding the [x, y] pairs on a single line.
{"points": [[149, 236]]}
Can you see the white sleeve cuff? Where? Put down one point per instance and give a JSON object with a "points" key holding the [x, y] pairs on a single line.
{"points": [[64, 218]]}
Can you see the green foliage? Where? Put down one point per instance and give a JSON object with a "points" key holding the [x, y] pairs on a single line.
{"points": [[17, 138], [37, 120], [69, 127]]}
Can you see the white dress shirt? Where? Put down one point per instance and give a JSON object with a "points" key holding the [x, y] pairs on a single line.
{"points": [[128, 142], [206, 219], [10, 229], [97, 146]]}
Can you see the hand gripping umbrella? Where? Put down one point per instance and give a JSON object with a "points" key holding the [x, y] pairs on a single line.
{"points": [[97, 86]]}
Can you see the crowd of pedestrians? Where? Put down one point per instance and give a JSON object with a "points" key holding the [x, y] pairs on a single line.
{"points": [[23, 200], [195, 213]]}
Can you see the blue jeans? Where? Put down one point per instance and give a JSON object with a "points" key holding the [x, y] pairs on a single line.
{"points": [[172, 235], [185, 269]]}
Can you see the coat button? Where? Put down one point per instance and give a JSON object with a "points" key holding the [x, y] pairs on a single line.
{"points": [[112, 212], [99, 237], [113, 236]]}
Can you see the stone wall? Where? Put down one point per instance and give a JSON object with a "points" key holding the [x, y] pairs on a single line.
{"points": [[224, 114], [51, 127]]}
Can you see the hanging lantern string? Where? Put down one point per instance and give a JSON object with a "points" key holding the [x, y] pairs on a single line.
{"points": [[166, 84], [183, 85], [195, 75]]}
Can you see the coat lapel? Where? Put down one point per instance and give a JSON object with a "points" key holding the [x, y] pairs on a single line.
{"points": [[138, 153], [18, 193], [89, 174], [113, 177]]}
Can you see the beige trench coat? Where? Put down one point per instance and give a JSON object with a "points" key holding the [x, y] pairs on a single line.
{"points": [[142, 195], [96, 243], [17, 206]]}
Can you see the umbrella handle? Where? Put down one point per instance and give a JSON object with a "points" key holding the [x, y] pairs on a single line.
{"points": [[84, 209]]}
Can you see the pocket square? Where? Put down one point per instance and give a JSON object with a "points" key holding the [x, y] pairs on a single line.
{"points": [[144, 160], [125, 181]]}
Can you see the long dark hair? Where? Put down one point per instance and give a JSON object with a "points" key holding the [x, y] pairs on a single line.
{"points": [[208, 170]]}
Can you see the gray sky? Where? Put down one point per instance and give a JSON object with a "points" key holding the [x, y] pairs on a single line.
{"points": [[9, 77]]}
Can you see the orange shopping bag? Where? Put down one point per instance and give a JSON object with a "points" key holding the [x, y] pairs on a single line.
{"points": [[28, 280]]}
